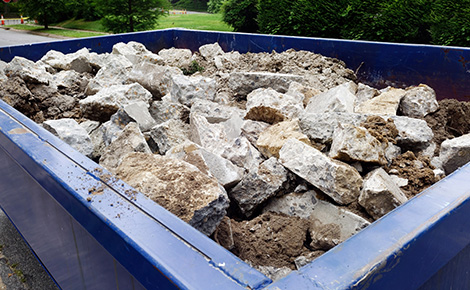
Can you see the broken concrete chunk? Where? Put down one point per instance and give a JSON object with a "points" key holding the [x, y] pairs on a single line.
{"points": [[177, 57], [187, 89], [223, 234], [400, 182], [164, 110], [107, 101], [411, 131], [139, 112], [178, 186], [243, 83], [307, 206], [419, 101], [272, 139], [380, 194], [136, 52], [355, 143], [155, 78], [106, 78], [168, 134], [129, 140], [384, 104], [227, 61], [455, 153], [338, 99], [226, 172], [365, 93], [256, 187], [242, 153], [69, 79], [269, 106], [210, 136], [210, 51], [252, 129], [339, 180], [69, 131], [302, 92], [214, 112], [79, 61], [90, 125], [27, 70]]}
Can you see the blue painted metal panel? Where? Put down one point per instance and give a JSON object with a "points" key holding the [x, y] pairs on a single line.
{"points": [[134, 243]]}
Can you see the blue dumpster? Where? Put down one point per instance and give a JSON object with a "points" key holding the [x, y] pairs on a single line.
{"points": [[121, 240]]}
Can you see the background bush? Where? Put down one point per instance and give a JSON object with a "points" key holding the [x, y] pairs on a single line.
{"points": [[213, 6], [241, 15]]}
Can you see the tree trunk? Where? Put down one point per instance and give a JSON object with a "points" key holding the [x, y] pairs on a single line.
{"points": [[46, 20], [131, 18]]}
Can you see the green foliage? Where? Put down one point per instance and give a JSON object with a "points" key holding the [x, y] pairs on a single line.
{"points": [[192, 5], [450, 23], [214, 6], [192, 69], [129, 15], [241, 15], [86, 9], [46, 11]]}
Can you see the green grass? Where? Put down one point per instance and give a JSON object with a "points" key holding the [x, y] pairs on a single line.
{"points": [[194, 21], [82, 24], [56, 31]]}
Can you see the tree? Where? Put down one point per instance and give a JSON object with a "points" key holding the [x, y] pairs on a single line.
{"points": [[241, 14], [45, 11], [130, 15]]}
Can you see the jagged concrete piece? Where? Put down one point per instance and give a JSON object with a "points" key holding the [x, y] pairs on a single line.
{"points": [[90, 125], [412, 131], [455, 153], [157, 79], [136, 52], [226, 172], [339, 180], [107, 101], [228, 61], [270, 179], [419, 101], [252, 129], [210, 51], [321, 127], [139, 112], [302, 92], [384, 104], [338, 99], [380, 194], [27, 70], [305, 205], [209, 136], [106, 78], [270, 106], [79, 61], [129, 140], [170, 133], [214, 112], [177, 57], [242, 153], [355, 143], [272, 139], [69, 79], [164, 110], [178, 186], [69, 131], [186, 89], [243, 83], [364, 93]]}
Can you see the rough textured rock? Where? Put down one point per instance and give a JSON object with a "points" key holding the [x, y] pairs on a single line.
{"points": [[210, 136], [419, 101], [270, 106], [107, 101], [339, 180], [256, 187], [79, 61], [69, 131], [411, 131], [168, 134], [226, 173], [384, 104], [186, 89], [243, 83], [139, 112], [130, 140], [272, 139], [176, 57], [157, 79], [252, 129], [210, 51], [90, 125], [302, 92], [380, 194], [306, 205], [164, 110], [455, 153], [178, 186], [242, 153], [338, 99], [354, 143], [136, 52], [214, 112], [27, 70], [114, 71], [365, 93]]}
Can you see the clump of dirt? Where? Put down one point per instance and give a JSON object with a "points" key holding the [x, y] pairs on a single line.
{"points": [[418, 171], [384, 131], [451, 120]]}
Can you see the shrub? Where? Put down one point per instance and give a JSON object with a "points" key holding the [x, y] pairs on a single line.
{"points": [[214, 6], [241, 15], [450, 23]]}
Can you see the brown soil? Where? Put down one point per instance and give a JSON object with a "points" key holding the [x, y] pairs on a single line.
{"points": [[382, 130]]}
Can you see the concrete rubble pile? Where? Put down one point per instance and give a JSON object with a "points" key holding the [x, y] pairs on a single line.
{"points": [[291, 135]]}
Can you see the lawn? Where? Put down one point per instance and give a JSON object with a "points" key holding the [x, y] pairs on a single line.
{"points": [[201, 21], [56, 31]]}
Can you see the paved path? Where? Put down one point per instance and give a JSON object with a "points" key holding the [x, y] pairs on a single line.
{"points": [[19, 269]]}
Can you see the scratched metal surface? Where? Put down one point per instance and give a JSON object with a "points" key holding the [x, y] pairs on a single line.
{"points": [[421, 244]]}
